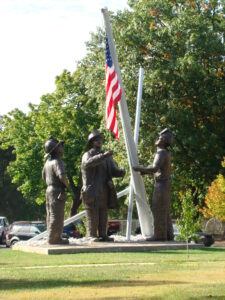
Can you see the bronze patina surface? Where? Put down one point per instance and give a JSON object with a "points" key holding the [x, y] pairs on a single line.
{"points": [[161, 168], [98, 192], [54, 175]]}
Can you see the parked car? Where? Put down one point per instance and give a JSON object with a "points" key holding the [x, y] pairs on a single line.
{"points": [[199, 237], [4, 224], [75, 229], [113, 227], [23, 230], [72, 230]]}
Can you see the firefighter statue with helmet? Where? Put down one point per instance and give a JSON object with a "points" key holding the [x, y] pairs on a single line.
{"points": [[161, 168], [54, 175], [98, 192]]}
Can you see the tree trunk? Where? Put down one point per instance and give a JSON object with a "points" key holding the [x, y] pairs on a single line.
{"points": [[187, 244], [75, 196]]}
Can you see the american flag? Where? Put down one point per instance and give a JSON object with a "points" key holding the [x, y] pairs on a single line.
{"points": [[113, 93]]}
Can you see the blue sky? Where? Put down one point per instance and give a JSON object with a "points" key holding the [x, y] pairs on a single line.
{"points": [[40, 38]]}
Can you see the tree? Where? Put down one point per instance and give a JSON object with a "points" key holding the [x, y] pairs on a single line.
{"points": [[215, 199], [180, 45], [188, 225], [67, 114], [12, 203]]}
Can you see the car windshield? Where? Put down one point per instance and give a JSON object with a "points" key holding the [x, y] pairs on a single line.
{"points": [[1, 222], [41, 227]]}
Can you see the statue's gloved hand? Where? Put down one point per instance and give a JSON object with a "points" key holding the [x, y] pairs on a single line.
{"points": [[139, 169], [110, 184], [108, 153]]}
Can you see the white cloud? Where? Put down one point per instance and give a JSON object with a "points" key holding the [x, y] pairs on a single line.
{"points": [[40, 38]]}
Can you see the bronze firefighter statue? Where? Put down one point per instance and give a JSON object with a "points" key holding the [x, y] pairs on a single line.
{"points": [[163, 230], [54, 175], [98, 192]]}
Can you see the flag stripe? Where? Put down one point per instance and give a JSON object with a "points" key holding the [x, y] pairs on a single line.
{"points": [[113, 93]]}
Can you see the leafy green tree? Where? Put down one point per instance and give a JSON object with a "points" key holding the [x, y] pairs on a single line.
{"points": [[180, 45], [67, 114], [188, 224], [215, 198], [12, 203]]}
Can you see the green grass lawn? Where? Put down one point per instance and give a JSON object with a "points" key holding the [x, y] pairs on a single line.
{"points": [[152, 275]]}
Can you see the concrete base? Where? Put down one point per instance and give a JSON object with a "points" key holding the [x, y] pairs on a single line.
{"points": [[77, 247]]}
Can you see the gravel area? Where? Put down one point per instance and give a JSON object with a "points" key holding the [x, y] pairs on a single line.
{"points": [[85, 240], [117, 239]]}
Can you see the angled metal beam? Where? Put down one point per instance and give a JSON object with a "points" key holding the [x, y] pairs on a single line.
{"points": [[144, 212]]}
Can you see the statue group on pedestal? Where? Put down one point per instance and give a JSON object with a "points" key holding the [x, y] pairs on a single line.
{"points": [[98, 192]]}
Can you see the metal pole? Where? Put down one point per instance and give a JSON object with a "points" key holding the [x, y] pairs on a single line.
{"points": [[144, 212], [138, 109], [136, 135]]}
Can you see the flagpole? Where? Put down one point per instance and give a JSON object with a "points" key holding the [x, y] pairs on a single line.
{"points": [[144, 212], [136, 135]]}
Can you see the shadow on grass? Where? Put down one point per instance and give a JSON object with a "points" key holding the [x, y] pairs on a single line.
{"points": [[192, 251], [163, 298], [215, 250], [13, 284], [206, 297]]}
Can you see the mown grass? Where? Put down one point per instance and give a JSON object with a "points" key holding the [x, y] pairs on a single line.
{"points": [[171, 276]]}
